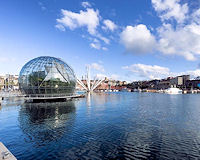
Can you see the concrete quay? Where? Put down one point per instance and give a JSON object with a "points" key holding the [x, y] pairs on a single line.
{"points": [[45, 98], [5, 154], [1, 99], [38, 97], [186, 91]]}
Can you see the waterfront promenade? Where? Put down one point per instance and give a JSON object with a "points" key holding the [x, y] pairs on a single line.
{"points": [[5, 154]]}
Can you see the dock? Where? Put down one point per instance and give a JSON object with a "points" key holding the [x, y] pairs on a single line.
{"points": [[5, 154], [52, 97], [39, 97]]}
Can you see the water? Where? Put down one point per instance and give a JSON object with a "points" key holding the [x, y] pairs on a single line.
{"points": [[104, 126]]}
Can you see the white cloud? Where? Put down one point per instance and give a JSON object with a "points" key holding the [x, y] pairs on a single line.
{"points": [[157, 72], [193, 74], [88, 18], [106, 40], [182, 41], [95, 45], [60, 27], [104, 48], [109, 25], [138, 39], [171, 9], [43, 8], [101, 76], [148, 71], [181, 38], [95, 40], [86, 4], [114, 77], [97, 67], [196, 16]]}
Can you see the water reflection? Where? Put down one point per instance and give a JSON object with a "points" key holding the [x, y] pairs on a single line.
{"points": [[45, 122], [101, 99], [88, 99]]}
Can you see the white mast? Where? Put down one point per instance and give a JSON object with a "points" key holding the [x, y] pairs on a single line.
{"points": [[88, 78], [88, 87]]}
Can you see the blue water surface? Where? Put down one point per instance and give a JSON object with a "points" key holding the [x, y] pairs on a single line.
{"points": [[119, 125]]}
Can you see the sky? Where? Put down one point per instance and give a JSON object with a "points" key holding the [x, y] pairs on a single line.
{"points": [[121, 39]]}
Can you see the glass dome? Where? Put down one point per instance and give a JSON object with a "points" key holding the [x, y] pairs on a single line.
{"points": [[47, 75]]}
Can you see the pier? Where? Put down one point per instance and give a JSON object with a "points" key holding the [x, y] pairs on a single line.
{"points": [[11, 94], [51, 97], [5, 154], [39, 97]]}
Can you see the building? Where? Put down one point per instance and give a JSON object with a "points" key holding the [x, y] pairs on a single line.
{"points": [[164, 84], [2, 82], [193, 84], [9, 82], [180, 81]]}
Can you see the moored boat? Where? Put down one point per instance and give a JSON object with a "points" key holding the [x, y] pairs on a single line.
{"points": [[173, 91]]}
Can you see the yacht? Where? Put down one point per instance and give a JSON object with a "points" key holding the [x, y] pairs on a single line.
{"points": [[173, 91]]}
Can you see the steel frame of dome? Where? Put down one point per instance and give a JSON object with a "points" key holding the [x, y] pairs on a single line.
{"points": [[47, 76]]}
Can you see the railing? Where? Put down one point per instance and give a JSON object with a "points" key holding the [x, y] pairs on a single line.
{"points": [[11, 94], [48, 95], [37, 96]]}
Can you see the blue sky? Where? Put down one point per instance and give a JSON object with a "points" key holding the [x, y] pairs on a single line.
{"points": [[126, 40]]}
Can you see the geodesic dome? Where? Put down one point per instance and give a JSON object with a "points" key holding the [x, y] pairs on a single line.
{"points": [[47, 76]]}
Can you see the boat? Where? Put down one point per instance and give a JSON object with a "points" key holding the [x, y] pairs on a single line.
{"points": [[173, 91], [160, 91], [137, 90]]}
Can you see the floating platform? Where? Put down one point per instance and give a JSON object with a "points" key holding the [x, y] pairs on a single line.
{"points": [[51, 98], [5, 154]]}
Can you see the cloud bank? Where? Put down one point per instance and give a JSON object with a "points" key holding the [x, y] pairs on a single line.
{"points": [[89, 19], [178, 34], [157, 72]]}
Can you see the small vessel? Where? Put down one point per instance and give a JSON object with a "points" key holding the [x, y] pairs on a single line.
{"points": [[161, 91], [137, 90], [173, 91]]}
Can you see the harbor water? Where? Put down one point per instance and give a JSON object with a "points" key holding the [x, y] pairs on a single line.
{"points": [[120, 125]]}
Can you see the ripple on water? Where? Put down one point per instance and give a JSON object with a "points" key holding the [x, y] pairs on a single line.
{"points": [[111, 126]]}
